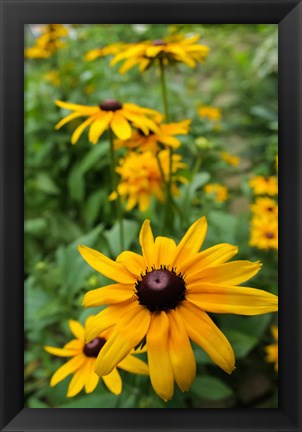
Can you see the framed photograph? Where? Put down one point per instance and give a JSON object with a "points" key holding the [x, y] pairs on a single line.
{"points": [[145, 150]]}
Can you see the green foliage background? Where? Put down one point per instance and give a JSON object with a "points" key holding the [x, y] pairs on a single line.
{"points": [[66, 204]]}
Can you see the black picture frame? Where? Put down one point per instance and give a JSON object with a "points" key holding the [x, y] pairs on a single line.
{"points": [[16, 13]]}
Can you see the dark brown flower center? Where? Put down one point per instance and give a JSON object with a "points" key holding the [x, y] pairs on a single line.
{"points": [[159, 42], [142, 133], [111, 105], [269, 235], [270, 209], [92, 348], [161, 290]]}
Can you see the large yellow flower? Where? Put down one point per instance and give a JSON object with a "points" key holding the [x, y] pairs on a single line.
{"points": [[264, 233], [109, 114], [141, 178], [266, 207], [264, 185], [272, 350], [82, 363], [153, 141], [49, 41], [163, 297], [219, 192], [143, 54]]}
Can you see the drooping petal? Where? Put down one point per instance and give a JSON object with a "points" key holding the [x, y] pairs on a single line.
{"points": [[76, 329], [67, 119], [161, 372], [109, 294], [80, 129], [99, 126], [231, 273], [105, 266], [147, 243], [181, 353], [202, 330], [134, 263], [129, 332], [113, 381], [191, 241], [92, 378], [232, 299], [78, 380], [134, 365], [61, 352], [121, 127], [87, 110], [68, 368]]}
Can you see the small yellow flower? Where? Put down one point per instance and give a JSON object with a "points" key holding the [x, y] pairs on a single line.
{"points": [[83, 359], [210, 113], [264, 233], [153, 141], [272, 350], [143, 54], [265, 207], [264, 185], [141, 178], [48, 43], [109, 114], [219, 192], [164, 295], [230, 159], [53, 76], [104, 51]]}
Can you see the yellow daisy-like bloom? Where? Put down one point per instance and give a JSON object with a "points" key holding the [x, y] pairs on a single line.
{"points": [[264, 233], [48, 43], [143, 54], [153, 141], [211, 113], [272, 350], [82, 363], [163, 296], [104, 51], [219, 192], [230, 159], [264, 185], [110, 114], [265, 207], [141, 178]]}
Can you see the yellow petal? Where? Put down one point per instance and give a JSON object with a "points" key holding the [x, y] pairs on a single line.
{"points": [[144, 201], [170, 141], [86, 110], [147, 243], [205, 333], [78, 380], [121, 126], [109, 294], [68, 119], [129, 332], [231, 273], [80, 129], [99, 126], [214, 255], [61, 352], [191, 241], [181, 353], [67, 369], [77, 329], [152, 51], [92, 378], [105, 266], [164, 251], [128, 65], [134, 263], [161, 373], [232, 299], [134, 365], [114, 382]]}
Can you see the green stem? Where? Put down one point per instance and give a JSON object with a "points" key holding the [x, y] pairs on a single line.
{"points": [[119, 210]]}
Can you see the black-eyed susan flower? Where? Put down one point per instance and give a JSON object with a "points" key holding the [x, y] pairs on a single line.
{"points": [[219, 192], [48, 43], [119, 117], [154, 141], [82, 363], [230, 159], [264, 232], [143, 54], [142, 178], [272, 349], [264, 185], [210, 113], [264, 206], [104, 51], [163, 296]]}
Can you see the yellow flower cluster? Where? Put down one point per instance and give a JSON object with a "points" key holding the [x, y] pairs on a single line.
{"points": [[219, 192], [48, 42], [272, 349], [210, 113], [230, 159]]}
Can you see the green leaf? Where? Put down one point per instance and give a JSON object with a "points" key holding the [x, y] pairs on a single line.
{"points": [[242, 343], [210, 388], [93, 157], [95, 400], [76, 184], [44, 183], [35, 226], [113, 236]]}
